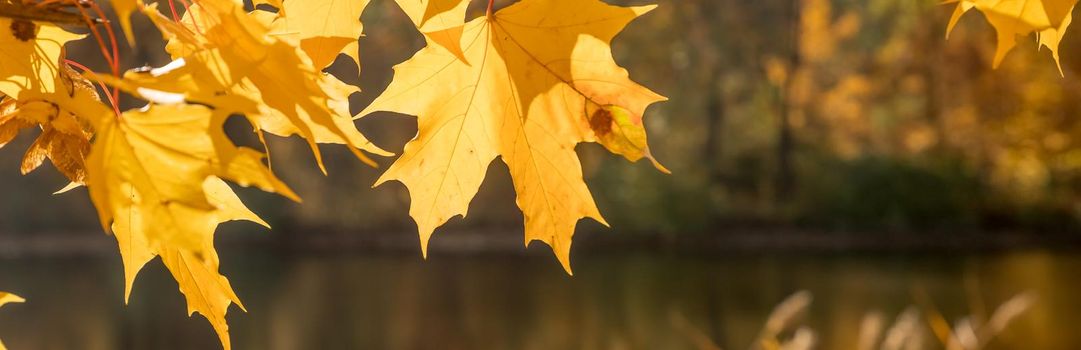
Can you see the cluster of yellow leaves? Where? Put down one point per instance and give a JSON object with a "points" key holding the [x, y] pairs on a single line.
{"points": [[1047, 18], [227, 61], [157, 174], [526, 83]]}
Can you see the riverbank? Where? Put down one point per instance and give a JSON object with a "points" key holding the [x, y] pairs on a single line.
{"points": [[509, 241]]}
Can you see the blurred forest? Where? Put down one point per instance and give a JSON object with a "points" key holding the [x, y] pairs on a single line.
{"points": [[843, 115]]}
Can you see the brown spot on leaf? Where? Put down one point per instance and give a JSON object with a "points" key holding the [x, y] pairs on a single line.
{"points": [[601, 122], [23, 30]]}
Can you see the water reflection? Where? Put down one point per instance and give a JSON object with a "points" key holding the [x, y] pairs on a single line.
{"points": [[511, 302]]}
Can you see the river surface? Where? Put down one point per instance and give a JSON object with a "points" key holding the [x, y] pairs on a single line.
{"points": [[614, 301]]}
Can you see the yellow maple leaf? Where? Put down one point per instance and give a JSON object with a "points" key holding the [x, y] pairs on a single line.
{"points": [[442, 21], [6, 298], [155, 176], [324, 28], [29, 60], [1049, 19], [542, 80]]}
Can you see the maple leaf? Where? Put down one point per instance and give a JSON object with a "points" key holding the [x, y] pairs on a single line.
{"points": [[542, 80], [155, 177], [324, 28], [29, 60], [6, 298], [1049, 19], [441, 21], [64, 139]]}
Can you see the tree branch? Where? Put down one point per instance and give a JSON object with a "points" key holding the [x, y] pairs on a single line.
{"points": [[36, 14]]}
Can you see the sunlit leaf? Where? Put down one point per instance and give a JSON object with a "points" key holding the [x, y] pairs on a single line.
{"points": [[538, 71]]}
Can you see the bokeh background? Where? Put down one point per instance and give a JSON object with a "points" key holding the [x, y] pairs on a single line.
{"points": [[842, 147]]}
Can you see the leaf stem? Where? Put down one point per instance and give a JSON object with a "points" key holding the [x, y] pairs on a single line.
{"points": [[172, 8], [110, 96], [491, 4]]}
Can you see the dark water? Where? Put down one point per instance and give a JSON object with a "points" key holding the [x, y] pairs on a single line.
{"points": [[624, 301]]}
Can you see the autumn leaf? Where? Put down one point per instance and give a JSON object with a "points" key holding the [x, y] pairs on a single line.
{"points": [[155, 177], [29, 60], [6, 298], [441, 21], [324, 28], [541, 80], [1049, 19]]}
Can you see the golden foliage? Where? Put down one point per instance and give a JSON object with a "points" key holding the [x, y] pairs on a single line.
{"points": [[527, 83], [533, 85]]}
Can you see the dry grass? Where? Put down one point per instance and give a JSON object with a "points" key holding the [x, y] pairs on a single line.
{"points": [[909, 330]]}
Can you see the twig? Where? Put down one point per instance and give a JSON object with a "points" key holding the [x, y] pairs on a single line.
{"points": [[33, 13]]}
